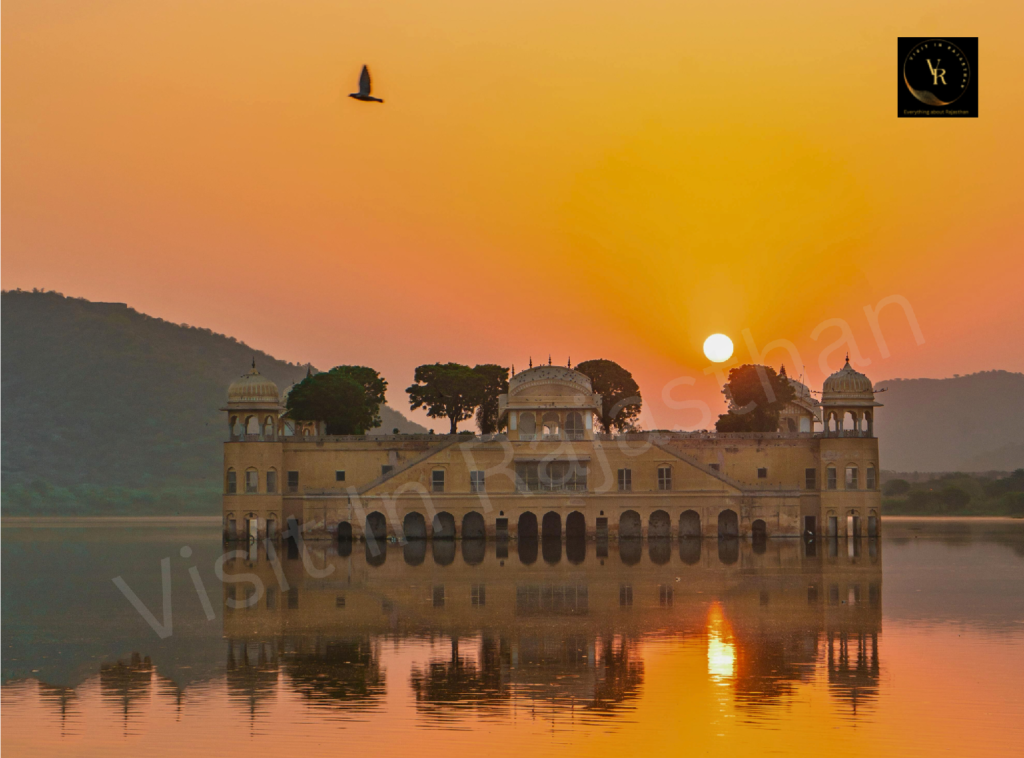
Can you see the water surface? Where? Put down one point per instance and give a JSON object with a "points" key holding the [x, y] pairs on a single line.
{"points": [[914, 646]]}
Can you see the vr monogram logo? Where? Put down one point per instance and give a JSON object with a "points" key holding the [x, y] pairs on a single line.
{"points": [[938, 77], [938, 73]]}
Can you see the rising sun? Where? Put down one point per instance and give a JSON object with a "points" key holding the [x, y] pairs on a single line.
{"points": [[718, 348]]}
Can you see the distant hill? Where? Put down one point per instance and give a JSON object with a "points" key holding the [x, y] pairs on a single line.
{"points": [[966, 423], [107, 409]]}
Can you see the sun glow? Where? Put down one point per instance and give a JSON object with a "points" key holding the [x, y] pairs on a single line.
{"points": [[718, 348], [721, 649]]}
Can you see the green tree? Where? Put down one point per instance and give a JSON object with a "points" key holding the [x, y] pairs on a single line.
{"points": [[896, 487], [346, 398], [955, 498], [495, 383], [620, 394], [447, 390], [757, 394]]}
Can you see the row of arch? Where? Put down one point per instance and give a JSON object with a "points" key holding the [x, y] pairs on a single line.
{"points": [[839, 423], [852, 479], [269, 428], [630, 552], [550, 425], [549, 527]]}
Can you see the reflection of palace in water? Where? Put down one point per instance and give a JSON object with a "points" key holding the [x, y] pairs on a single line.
{"points": [[559, 623]]}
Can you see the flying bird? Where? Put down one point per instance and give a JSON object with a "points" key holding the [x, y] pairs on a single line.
{"points": [[364, 88]]}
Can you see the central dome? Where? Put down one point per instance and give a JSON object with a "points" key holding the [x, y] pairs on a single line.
{"points": [[253, 387]]}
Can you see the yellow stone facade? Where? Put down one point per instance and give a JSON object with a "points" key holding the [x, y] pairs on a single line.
{"points": [[550, 474]]}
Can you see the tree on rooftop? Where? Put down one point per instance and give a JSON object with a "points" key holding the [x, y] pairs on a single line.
{"points": [[447, 390], [346, 398], [495, 383], [757, 394], [620, 394]]}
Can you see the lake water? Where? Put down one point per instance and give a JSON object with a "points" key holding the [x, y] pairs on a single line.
{"points": [[910, 646]]}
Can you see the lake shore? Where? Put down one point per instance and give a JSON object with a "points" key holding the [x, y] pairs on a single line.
{"points": [[61, 521]]}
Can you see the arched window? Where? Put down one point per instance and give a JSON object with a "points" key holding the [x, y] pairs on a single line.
{"points": [[830, 478], [552, 425], [832, 424], [869, 478], [849, 425], [271, 481], [268, 428], [252, 425], [231, 486], [252, 481], [790, 425], [235, 428], [527, 426], [574, 425], [851, 478]]}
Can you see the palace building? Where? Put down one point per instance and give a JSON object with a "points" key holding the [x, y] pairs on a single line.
{"points": [[552, 475]]}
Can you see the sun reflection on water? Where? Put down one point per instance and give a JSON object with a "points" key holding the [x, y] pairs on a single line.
{"points": [[721, 649]]}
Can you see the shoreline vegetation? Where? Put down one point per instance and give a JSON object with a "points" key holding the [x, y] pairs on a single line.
{"points": [[89, 500], [955, 494]]}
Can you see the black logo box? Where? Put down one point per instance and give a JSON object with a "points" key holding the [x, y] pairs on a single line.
{"points": [[966, 106]]}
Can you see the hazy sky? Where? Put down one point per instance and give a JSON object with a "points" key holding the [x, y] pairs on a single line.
{"points": [[594, 179]]}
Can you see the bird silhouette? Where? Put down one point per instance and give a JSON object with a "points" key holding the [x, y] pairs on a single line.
{"points": [[364, 88]]}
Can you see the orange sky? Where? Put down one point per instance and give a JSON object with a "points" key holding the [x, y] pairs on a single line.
{"points": [[589, 179]]}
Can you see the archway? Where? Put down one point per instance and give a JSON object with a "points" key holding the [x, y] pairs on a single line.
{"points": [[551, 526], [689, 524], [660, 525], [849, 424], [344, 531], [759, 534], [630, 525], [728, 524], [414, 526], [444, 526], [473, 527], [551, 425], [575, 526], [527, 426], [376, 527], [527, 528]]}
